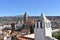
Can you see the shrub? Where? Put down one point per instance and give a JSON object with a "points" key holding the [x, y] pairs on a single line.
{"points": [[56, 35], [31, 30]]}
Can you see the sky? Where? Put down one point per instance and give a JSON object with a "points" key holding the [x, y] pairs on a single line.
{"points": [[32, 7]]}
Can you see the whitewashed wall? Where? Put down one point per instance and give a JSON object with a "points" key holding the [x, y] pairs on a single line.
{"points": [[39, 34]]}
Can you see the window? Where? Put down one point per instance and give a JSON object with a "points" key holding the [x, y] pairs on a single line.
{"points": [[37, 24], [41, 24]]}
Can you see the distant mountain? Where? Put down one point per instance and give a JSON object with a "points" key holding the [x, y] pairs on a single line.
{"points": [[20, 17], [9, 19]]}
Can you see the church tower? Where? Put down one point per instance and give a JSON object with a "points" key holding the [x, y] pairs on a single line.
{"points": [[42, 28], [25, 17]]}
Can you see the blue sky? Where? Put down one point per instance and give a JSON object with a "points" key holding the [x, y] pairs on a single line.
{"points": [[32, 7]]}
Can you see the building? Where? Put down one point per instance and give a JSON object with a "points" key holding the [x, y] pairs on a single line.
{"points": [[7, 37], [25, 17], [28, 21], [13, 27], [43, 30], [27, 24]]}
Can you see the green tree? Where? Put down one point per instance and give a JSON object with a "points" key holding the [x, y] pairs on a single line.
{"points": [[56, 35], [31, 30]]}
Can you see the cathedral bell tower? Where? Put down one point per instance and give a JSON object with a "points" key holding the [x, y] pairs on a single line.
{"points": [[25, 17]]}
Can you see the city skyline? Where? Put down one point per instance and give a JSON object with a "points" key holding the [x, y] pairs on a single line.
{"points": [[32, 7]]}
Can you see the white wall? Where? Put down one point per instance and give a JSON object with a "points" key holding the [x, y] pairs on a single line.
{"points": [[39, 34], [51, 38], [48, 32]]}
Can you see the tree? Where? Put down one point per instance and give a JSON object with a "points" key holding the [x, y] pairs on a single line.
{"points": [[56, 35], [31, 30]]}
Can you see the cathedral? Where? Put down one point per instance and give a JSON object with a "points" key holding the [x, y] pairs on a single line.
{"points": [[28, 21]]}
